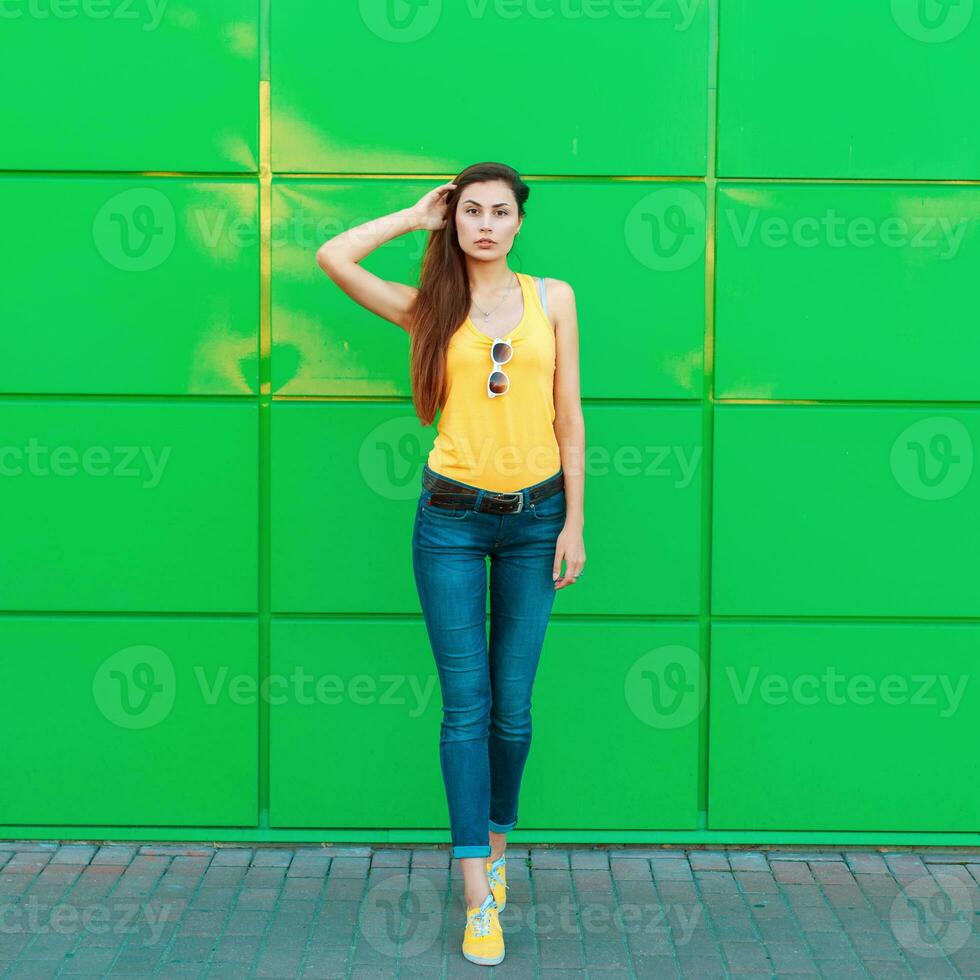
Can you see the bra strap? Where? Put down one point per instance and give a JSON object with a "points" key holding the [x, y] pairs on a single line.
{"points": [[544, 301]]}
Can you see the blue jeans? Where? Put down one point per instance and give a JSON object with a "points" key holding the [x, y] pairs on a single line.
{"points": [[485, 733]]}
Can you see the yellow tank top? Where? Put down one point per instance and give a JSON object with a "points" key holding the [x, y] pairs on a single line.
{"points": [[507, 442]]}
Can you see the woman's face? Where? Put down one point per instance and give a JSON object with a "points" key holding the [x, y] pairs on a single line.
{"points": [[487, 211]]}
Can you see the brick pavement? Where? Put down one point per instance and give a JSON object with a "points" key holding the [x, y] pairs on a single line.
{"points": [[74, 910]]}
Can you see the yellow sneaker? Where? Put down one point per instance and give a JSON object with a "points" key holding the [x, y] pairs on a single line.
{"points": [[497, 878], [483, 940]]}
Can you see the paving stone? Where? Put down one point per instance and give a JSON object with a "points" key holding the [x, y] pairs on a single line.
{"points": [[864, 862], [905, 864], [969, 855], [336, 850], [546, 859], [748, 861], [309, 866], [113, 854], [391, 857], [73, 854], [589, 860], [777, 855], [350, 867], [272, 857], [791, 871], [756, 882], [671, 869], [708, 861], [175, 850], [432, 858], [791, 959], [235, 856], [831, 872]]}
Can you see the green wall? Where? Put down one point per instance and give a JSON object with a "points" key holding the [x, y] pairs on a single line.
{"points": [[770, 214]]}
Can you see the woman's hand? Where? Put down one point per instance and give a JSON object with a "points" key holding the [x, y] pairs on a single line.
{"points": [[430, 212], [571, 547]]}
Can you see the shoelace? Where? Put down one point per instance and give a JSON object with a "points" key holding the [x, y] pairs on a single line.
{"points": [[494, 875], [481, 920]]}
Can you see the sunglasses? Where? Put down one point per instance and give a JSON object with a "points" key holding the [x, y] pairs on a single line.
{"points": [[500, 353]]}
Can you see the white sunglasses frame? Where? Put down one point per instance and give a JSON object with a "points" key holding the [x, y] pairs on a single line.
{"points": [[499, 364]]}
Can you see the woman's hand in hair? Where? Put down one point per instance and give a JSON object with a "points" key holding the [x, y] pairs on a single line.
{"points": [[430, 211]]}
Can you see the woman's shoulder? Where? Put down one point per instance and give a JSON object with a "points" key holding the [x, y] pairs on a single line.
{"points": [[557, 288]]}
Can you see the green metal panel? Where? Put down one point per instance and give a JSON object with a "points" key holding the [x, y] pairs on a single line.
{"points": [[832, 88], [122, 720], [345, 481], [839, 511], [847, 291], [844, 726], [136, 286], [652, 233], [644, 470], [616, 712], [128, 505], [129, 86], [637, 72], [354, 725]]}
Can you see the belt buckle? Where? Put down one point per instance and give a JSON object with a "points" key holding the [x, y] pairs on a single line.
{"points": [[520, 501]]}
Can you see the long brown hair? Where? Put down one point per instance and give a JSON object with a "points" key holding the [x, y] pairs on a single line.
{"points": [[443, 300]]}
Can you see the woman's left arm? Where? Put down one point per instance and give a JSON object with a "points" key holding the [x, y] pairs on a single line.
{"points": [[569, 431]]}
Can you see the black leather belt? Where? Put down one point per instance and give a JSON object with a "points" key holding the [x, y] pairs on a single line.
{"points": [[445, 493]]}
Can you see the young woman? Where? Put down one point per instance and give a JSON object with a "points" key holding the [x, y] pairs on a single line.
{"points": [[497, 352]]}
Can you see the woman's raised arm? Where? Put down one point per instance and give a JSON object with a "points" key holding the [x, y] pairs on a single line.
{"points": [[339, 257]]}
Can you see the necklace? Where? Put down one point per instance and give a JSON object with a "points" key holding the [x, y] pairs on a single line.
{"points": [[486, 316]]}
